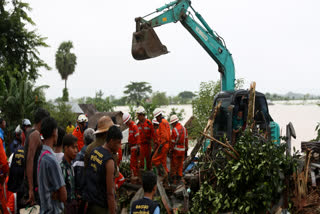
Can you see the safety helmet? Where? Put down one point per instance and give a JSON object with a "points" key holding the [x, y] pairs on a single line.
{"points": [[126, 117], [154, 121], [140, 110], [157, 112], [82, 118], [174, 119], [26, 122], [18, 130]]}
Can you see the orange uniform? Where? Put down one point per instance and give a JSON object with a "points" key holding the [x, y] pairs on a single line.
{"points": [[119, 156], [4, 169], [146, 135], [134, 142], [178, 147], [78, 134], [164, 140]]}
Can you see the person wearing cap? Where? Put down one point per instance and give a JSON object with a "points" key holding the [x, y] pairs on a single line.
{"points": [[134, 142], [100, 187], [17, 140], [25, 126], [178, 148], [146, 135], [104, 124], [82, 122], [159, 159]]}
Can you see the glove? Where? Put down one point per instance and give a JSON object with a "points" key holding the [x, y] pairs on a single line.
{"points": [[160, 148], [138, 151]]}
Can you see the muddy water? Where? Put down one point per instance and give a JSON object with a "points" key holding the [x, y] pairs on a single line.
{"points": [[303, 117]]}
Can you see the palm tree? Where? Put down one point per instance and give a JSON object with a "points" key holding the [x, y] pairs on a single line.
{"points": [[65, 63]]}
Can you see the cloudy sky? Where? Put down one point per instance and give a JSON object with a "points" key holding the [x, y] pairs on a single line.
{"points": [[275, 43]]}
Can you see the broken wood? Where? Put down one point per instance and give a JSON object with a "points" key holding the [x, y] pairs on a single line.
{"points": [[164, 197], [251, 103], [314, 146]]}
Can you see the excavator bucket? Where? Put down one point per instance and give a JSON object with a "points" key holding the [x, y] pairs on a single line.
{"points": [[146, 44]]}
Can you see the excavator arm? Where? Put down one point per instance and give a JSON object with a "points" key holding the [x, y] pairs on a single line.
{"points": [[146, 43]]}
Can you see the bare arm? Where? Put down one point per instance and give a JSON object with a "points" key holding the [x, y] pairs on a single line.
{"points": [[62, 194], [110, 186], [34, 143]]}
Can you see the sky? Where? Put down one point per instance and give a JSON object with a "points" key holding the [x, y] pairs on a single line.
{"points": [[274, 43]]}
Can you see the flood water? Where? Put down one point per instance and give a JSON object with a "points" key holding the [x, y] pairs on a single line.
{"points": [[303, 117]]}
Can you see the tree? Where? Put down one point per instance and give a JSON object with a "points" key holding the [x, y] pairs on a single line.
{"points": [[137, 92], [62, 112], [19, 45], [202, 104], [19, 63], [101, 104], [186, 96], [65, 63], [160, 98]]}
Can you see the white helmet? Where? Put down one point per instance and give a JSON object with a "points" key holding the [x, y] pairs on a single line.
{"points": [[174, 119], [140, 110], [155, 121], [82, 118], [126, 117], [18, 130], [157, 112], [26, 122]]}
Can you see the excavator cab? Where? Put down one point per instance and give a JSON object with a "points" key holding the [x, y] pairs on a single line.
{"points": [[234, 101], [145, 42]]}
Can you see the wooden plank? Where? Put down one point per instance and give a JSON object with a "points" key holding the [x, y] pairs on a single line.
{"points": [[164, 197]]}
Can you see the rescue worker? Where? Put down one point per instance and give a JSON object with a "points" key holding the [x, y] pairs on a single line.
{"points": [[4, 169], [82, 122], [146, 134], [178, 148], [155, 135], [159, 158], [134, 142]]}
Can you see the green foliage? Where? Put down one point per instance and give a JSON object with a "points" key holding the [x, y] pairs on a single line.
{"points": [[186, 97], [18, 44], [137, 92], [101, 104], [202, 105], [160, 98], [318, 132], [251, 184], [61, 112], [180, 114]]}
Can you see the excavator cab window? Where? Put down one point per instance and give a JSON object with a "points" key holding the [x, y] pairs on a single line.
{"points": [[223, 120]]}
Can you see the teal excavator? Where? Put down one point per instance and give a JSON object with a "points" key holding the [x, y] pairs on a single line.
{"points": [[146, 45]]}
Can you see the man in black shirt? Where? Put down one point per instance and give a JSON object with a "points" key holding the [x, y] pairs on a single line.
{"points": [[99, 188], [146, 204]]}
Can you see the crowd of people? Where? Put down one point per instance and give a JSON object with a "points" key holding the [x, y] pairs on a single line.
{"points": [[76, 169]]}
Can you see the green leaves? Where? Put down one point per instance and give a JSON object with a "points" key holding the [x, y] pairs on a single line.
{"points": [[248, 185]]}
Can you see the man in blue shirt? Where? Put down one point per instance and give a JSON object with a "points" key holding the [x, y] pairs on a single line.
{"points": [[146, 204], [52, 190]]}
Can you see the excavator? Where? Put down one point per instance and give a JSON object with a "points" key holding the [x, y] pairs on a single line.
{"points": [[146, 44]]}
